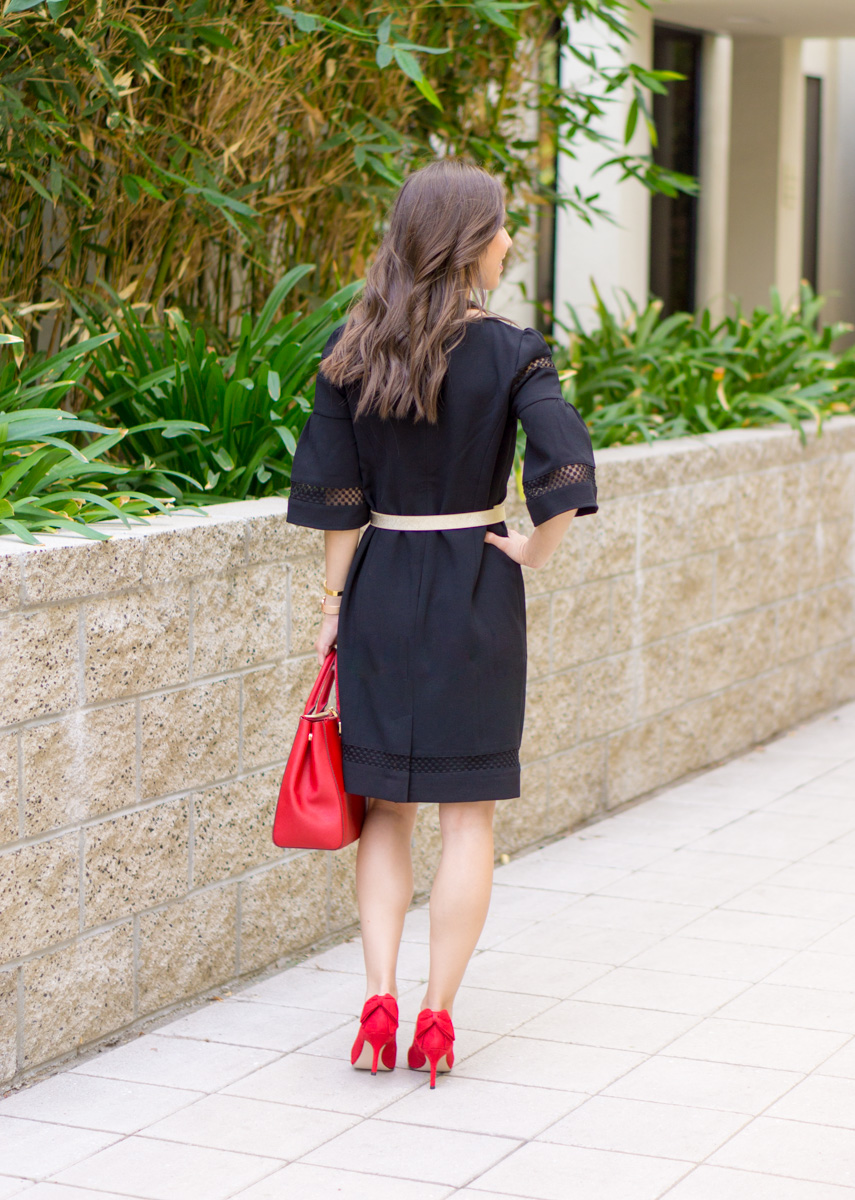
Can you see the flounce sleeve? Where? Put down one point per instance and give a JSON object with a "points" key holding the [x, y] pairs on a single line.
{"points": [[326, 483], [558, 470]]}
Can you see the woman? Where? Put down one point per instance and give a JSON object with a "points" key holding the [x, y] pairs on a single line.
{"points": [[413, 433]]}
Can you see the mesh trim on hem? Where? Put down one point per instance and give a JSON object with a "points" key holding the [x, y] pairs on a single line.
{"points": [[340, 497], [366, 757], [541, 485]]}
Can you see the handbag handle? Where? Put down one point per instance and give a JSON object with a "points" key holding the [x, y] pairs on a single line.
{"points": [[320, 693]]}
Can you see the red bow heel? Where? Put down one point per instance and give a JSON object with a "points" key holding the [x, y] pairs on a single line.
{"points": [[375, 1043], [433, 1043]]}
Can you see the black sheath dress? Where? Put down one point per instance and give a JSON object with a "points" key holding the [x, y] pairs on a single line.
{"points": [[431, 648]]}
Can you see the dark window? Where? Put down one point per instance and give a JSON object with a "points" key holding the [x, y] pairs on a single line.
{"points": [[813, 141], [673, 220]]}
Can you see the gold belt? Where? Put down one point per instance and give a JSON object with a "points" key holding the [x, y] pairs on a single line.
{"points": [[466, 520]]}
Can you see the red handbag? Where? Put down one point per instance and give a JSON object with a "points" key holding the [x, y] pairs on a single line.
{"points": [[314, 812]]}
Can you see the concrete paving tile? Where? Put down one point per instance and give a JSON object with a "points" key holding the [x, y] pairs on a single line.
{"points": [[176, 1062], [826, 972], [414, 1152], [821, 1099], [761, 929], [612, 1025], [579, 877], [793, 902], [247, 1126], [795, 1148], [545, 874], [13, 1187], [737, 868], [88, 1102], [37, 1149], [730, 798], [325, 1083], [708, 814], [841, 1064], [642, 1127], [667, 991], [713, 1183], [808, 801], [492, 1011], [499, 929], [839, 941], [753, 1044], [59, 1191], [519, 903], [684, 1081], [559, 1065], [299, 1181], [765, 835], [307, 987], [562, 939], [647, 916], [768, 773], [531, 974], [832, 784], [720, 960], [590, 848], [241, 1024], [673, 889], [633, 827], [161, 1170], [412, 960], [547, 1172], [816, 876], [803, 1008], [482, 1106], [839, 853]]}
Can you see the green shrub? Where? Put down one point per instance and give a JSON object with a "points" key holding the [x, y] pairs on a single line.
{"points": [[247, 406], [53, 473], [636, 377]]}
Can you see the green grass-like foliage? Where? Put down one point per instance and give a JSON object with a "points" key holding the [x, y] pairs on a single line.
{"points": [[637, 377], [53, 471], [248, 404]]}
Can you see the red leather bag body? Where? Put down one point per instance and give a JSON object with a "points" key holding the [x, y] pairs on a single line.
{"points": [[314, 812]]}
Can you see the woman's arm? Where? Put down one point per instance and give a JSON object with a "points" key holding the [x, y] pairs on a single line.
{"points": [[534, 551], [339, 549]]}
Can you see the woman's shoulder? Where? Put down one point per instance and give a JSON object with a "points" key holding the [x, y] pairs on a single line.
{"points": [[520, 341]]}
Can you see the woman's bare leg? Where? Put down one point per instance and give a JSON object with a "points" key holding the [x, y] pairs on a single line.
{"points": [[384, 888], [460, 897]]}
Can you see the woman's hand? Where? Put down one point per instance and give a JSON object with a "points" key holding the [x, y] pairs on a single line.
{"points": [[327, 637], [534, 551], [515, 545]]}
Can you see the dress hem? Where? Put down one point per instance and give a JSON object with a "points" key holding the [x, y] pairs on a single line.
{"points": [[450, 788]]}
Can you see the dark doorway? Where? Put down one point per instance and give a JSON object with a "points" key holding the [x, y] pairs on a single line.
{"points": [[674, 220], [813, 158], [547, 182]]}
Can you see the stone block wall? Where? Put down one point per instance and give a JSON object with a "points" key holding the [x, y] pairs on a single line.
{"points": [[151, 685]]}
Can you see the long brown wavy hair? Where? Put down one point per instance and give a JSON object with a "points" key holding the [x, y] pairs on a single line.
{"points": [[412, 312]]}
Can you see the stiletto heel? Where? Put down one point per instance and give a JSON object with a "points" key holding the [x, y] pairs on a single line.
{"points": [[432, 1044], [375, 1046]]}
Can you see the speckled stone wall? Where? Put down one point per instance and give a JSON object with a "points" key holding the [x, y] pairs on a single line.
{"points": [[151, 685]]}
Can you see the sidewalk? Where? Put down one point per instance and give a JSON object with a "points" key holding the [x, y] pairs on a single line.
{"points": [[663, 1004]]}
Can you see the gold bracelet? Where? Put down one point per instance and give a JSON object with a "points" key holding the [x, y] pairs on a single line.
{"points": [[330, 591]]}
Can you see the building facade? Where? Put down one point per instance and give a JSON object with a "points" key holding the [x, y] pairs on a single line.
{"points": [[764, 119]]}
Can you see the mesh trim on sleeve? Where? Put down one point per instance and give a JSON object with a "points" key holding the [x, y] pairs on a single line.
{"points": [[562, 477], [339, 497], [536, 363]]}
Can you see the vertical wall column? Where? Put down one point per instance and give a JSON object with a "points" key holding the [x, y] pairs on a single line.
{"points": [[615, 255], [714, 173], [764, 234]]}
